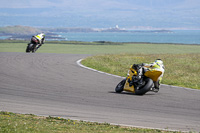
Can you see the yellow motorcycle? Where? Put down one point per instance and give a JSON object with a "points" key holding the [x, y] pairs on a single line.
{"points": [[139, 80]]}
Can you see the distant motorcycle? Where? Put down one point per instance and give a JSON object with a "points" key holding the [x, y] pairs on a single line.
{"points": [[33, 45], [139, 80]]}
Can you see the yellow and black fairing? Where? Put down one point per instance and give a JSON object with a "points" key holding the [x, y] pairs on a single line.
{"points": [[153, 74], [127, 87]]}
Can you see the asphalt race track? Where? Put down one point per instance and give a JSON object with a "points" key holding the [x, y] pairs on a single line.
{"points": [[54, 85]]}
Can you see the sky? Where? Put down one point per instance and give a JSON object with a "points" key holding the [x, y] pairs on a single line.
{"points": [[128, 14]]}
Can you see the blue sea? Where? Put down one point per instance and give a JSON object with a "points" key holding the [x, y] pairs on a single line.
{"points": [[180, 36]]}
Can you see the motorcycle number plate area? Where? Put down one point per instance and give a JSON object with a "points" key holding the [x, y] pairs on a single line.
{"points": [[128, 88]]}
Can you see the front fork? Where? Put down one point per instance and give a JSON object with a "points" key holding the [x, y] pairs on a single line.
{"points": [[137, 82]]}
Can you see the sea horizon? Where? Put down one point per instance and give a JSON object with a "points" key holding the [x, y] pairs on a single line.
{"points": [[173, 36]]}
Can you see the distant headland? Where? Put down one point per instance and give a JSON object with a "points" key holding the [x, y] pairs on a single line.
{"points": [[19, 32]]}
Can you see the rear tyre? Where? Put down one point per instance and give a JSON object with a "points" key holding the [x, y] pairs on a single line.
{"points": [[29, 48], [148, 85], [34, 50], [120, 87]]}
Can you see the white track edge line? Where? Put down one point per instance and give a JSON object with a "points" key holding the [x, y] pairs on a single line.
{"points": [[79, 63], [115, 124]]}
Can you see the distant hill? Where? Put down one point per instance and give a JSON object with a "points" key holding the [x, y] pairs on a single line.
{"points": [[19, 30], [68, 29], [26, 30]]}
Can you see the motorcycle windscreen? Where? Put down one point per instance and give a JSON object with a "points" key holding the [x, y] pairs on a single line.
{"points": [[153, 74]]}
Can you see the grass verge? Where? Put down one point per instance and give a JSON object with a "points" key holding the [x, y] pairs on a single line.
{"points": [[180, 69], [28, 123], [94, 48]]}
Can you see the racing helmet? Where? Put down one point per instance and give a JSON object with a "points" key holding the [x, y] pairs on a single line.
{"points": [[43, 35], [159, 62]]}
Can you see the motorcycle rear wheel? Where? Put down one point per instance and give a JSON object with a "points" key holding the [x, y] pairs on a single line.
{"points": [[148, 85], [29, 48]]}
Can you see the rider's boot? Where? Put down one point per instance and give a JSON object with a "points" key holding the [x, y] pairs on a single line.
{"points": [[156, 86], [156, 89]]}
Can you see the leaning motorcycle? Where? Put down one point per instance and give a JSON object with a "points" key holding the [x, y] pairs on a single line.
{"points": [[139, 80], [32, 46]]}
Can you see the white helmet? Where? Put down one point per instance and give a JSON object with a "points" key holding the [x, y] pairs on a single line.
{"points": [[159, 62], [42, 34]]}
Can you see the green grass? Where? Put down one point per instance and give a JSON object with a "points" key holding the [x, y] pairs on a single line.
{"points": [[93, 48], [28, 123], [180, 69]]}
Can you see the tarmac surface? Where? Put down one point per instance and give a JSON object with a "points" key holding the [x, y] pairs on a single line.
{"points": [[54, 85]]}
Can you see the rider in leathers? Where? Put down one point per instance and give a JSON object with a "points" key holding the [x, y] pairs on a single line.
{"points": [[159, 66], [38, 39]]}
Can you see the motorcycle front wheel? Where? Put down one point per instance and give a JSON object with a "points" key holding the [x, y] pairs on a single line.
{"points": [[120, 87]]}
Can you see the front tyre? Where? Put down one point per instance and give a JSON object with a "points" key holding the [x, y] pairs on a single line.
{"points": [[120, 87]]}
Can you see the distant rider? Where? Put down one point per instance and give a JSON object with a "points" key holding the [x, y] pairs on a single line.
{"points": [[159, 66], [38, 39]]}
